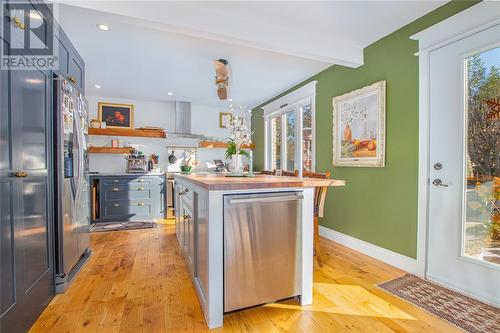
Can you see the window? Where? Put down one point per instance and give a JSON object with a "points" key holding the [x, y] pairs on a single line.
{"points": [[289, 123], [481, 239]]}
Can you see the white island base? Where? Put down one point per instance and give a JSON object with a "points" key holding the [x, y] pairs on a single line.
{"points": [[199, 202]]}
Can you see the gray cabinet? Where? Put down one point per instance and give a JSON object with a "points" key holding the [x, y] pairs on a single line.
{"points": [[192, 231], [71, 65], [27, 277], [128, 197]]}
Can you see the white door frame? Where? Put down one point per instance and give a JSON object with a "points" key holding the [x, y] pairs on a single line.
{"points": [[464, 24]]}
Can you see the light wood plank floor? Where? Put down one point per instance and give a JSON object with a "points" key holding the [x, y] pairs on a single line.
{"points": [[136, 281]]}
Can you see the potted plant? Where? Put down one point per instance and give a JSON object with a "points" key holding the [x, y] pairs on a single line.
{"points": [[186, 166]]}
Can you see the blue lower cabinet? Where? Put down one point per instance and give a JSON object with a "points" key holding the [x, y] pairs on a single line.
{"points": [[128, 198]]}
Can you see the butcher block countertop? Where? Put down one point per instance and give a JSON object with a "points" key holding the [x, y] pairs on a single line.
{"points": [[221, 182]]}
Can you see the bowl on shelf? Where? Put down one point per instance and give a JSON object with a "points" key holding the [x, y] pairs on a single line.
{"points": [[186, 168]]}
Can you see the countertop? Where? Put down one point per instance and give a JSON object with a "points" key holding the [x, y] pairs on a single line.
{"points": [[220, 182], [125, 174]]}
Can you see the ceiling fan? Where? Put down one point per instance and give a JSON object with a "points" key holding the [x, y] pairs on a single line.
{"points": [[222, 78]]}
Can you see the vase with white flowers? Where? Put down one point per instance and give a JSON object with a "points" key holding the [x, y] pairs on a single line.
{"points": [[240, 136]]}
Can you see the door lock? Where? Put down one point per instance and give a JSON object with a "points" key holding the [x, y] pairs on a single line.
{"points": [[439, 182]]}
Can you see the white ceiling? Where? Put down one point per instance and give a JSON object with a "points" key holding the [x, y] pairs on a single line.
{"points": [[155, 47]]}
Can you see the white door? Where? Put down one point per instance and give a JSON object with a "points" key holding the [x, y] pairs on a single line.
{"points": [[464, 191]]}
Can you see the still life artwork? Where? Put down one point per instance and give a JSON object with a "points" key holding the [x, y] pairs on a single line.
{"points": [[116, 115], [359, 127]]}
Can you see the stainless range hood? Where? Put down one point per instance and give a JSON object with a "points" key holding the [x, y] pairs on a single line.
{"points": [[183, 122]]}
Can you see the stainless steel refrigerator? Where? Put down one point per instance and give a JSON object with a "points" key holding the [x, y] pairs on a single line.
{"points": [[72, 182]]}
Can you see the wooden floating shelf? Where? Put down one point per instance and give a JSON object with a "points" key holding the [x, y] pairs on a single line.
{"points": [[110, 150], [127, 132], [218, 144]]}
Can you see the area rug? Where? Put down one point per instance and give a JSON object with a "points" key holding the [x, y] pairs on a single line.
{"points": [[116, 226], [457, 309]]}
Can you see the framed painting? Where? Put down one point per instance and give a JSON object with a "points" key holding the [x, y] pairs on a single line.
{"points": [[116, 115], [225, 119], [359, 127]]}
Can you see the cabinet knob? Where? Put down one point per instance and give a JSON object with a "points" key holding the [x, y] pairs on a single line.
{"points": [[140, 204], [116, 205], [140, 181], [116, 189], [140, 189]]}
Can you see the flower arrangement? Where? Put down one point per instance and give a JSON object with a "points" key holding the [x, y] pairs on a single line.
{"points": [[240, 136]]}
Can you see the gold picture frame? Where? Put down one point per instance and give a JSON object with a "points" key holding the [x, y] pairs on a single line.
{"points": [[225, 119], [116, 115], [359, 127]]}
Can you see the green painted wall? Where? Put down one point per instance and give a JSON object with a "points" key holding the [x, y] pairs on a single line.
{"points": [[378, 205]]}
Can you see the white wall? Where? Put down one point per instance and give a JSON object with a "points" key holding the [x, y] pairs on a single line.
{"points": [[204, 121]]}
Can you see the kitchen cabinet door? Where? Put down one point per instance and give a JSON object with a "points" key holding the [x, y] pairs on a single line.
{"points": [[190, 239], [26, 208], [201, 238]]}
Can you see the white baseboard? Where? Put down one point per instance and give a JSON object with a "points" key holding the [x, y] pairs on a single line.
{"points": [[389, 257]]}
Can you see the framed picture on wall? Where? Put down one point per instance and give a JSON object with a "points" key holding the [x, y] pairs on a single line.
{"points": [[225, 119], [359, 127], [116, 115]]}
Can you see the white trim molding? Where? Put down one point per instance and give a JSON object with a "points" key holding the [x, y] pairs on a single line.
{"points": [[291, 98], [400, 261], [461, 25]]}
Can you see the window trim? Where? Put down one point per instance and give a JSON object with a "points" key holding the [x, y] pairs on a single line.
{"points": [[279, 107]]}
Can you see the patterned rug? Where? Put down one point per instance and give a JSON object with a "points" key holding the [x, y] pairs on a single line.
{"points": [[457, 309], [128, 225]]}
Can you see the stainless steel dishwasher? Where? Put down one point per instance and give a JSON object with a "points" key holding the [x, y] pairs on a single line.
{"points": [[262, 248]]}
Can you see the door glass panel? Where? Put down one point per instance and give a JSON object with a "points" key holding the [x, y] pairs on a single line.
{"points": [[276, 137], [482, 193], [290, 140], [307, 138]]}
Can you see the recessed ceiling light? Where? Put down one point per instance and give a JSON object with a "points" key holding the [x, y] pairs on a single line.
{"points": [[97, 86], [170, 93], [103, 27]]}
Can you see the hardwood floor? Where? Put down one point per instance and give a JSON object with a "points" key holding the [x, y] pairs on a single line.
{"points": [[137, 281]]}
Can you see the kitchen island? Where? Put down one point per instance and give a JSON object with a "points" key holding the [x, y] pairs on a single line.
{"points": [[246, 241]]}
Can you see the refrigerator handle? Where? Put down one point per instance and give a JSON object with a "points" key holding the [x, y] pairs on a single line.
{"points": [[78, 136]]}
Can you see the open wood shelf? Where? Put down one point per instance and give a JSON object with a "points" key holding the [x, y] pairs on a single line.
{"points": [[110, 150], [127, 132], [218, 144]]}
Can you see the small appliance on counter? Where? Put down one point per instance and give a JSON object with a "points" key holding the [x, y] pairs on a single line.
{"points": [[137, 163]]}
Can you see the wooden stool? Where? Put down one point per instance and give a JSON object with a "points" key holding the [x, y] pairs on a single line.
{"points": [[319, 208]]}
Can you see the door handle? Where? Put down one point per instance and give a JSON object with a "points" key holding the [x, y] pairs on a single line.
{"points": [[266, 199], [438, 182], [20, 174], [116, 189], [72, 79], [17, 22]]}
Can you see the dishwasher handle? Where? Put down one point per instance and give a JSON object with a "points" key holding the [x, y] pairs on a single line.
{"points": [[266, 199]]}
